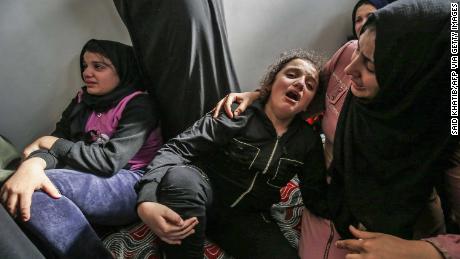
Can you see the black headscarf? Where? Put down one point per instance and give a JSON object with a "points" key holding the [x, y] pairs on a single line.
{"points": [[124, 61], [376, 3], [389, 151]]}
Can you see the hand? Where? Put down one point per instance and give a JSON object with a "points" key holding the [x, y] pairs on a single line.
{"points": [[244, 99], [382, 246], [45, 142], [166, 223], [18, 189]]}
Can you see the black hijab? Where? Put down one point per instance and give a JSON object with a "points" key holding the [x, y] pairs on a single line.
{"points": [[389, 151], [123, 59]]}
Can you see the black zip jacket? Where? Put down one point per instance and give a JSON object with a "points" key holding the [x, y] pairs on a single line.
{"points": [[245, 160]]}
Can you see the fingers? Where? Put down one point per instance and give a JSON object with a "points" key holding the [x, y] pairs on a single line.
{"points": [[11, 204], [49, 188], [24, 206], [173, 217], [352, 245], [362, 234], [175, 235], [241, 107], [218, 107], [228, 105], [187, 230]]}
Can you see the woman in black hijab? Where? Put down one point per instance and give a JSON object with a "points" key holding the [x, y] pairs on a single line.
{"points": [[393, 140], [86, 169]]}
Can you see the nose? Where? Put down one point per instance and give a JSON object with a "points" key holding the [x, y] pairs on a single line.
{"points": [[300, 83], [351, 69], [87, 72]]}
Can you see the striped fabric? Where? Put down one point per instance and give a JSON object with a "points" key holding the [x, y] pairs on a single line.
{"points": [[138, 242]]}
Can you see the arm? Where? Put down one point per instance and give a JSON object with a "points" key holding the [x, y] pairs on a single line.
{"points": [[206, 134], [203, 137], [135, 125], [18, 189], [243, 99], [312, 182], [166, 223], [62, 131], [383, 246]]}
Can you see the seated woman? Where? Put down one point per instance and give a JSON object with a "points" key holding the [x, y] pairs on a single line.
{"points": [[221, 175], [370, 174], [102, 143]]}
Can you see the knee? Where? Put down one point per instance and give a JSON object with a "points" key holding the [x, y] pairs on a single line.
{"points": [[186, 184]]}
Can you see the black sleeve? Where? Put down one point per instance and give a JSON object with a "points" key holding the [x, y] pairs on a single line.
{"points": [[203, 137], [62, 129], [136, 123], [50, 160], [313, 182]]}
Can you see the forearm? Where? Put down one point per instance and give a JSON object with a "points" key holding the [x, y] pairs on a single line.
{"points": [[107, 156]]}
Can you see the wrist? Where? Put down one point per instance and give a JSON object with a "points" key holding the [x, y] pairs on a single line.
{"points": [[426, 250], [36, 161]]}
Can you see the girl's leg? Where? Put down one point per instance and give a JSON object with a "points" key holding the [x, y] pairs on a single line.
{"points": [[187, 191], [63, 224], [13, 243], [248, 235]]}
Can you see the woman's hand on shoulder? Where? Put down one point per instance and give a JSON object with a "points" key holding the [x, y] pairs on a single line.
{"points": [[16, 193], [45, 142], [382, 246], [243, 99], [166, 223]]}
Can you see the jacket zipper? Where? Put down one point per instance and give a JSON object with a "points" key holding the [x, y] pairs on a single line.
{"points": [[271, 156], [329, 241], [255, 177]]}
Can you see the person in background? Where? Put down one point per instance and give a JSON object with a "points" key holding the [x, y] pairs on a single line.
{"points": [[362, 10], [85, 171], [183, 53]]}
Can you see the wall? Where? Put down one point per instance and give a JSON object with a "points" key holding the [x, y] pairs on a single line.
{"points": [[259, 31], [40, 41]]}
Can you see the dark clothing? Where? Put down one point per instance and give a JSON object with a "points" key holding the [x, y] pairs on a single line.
{"points": [[78, 147], [98, 137], [246, 163], [245, 159], [188, 191], [183, 53], [73, 149], [390, 151], [13, 243], [376, 3]]}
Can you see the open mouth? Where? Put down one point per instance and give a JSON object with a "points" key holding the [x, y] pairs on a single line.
{"points": [[293, 95]]}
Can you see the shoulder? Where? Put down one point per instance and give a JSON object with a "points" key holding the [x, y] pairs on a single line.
{"points": [[141, 101], [310, 135]]}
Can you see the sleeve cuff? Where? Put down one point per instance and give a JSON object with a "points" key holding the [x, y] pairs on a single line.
{"points": [[146, 192], [50, 160], [61, 147], [444, 253]]}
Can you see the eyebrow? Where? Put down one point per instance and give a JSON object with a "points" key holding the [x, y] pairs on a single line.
{"points": [[366, 58], [309, 75]]}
